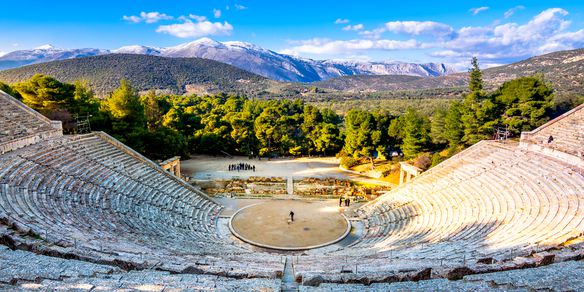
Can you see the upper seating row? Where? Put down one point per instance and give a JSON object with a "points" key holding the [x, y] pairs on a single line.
{"points": [[21, 126], [561, 138]]}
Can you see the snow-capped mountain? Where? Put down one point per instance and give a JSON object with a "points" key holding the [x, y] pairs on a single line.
{"points": [[282, 67], [243, 55], [44, 53], [138, 50]]}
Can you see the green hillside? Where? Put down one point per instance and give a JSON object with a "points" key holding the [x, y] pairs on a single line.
{"points": [[172, 75]]}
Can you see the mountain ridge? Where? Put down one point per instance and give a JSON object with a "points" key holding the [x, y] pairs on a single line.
{"points": [[564, 69], [145, 72], [246, 56]]}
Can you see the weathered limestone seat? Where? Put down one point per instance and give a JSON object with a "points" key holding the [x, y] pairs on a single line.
{"points": [[91, 198], [21, 125], [561, 138]]}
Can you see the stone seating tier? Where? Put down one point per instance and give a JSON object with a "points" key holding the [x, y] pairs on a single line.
{"points": [[494, 200], [21, 126], [567, 133], [66, 192]]}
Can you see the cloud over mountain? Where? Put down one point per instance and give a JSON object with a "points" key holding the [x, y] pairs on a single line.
{"points": [[245, 56], [495, 43], [190, 29]]}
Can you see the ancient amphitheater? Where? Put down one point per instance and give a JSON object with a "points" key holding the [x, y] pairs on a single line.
{"points": [[87, 213]]}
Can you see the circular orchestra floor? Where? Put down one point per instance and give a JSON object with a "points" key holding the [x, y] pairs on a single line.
{"points": [[269, 225]]}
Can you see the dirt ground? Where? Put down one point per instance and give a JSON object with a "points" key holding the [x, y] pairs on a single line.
{"points": [[201, 167], [268, 223]]}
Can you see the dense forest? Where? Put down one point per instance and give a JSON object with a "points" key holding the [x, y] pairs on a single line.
{"points": [[164, 125], [173, 75]]}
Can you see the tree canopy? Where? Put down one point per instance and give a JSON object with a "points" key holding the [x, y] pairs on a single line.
{"points": [[164, 125]]}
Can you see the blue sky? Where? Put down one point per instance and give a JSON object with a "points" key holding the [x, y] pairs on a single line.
{"points": [[419, 31]]}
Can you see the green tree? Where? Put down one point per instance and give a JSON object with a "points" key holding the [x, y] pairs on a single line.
{"points": [[453, 127], [475, 76], [125, 109], [366, 134], [479, 112], [267, 130], [329, 139], [84, 100], [395, 133], [416, 130], [526, 102], [153, 110], [9, 90], [242, 132], [438, 127], [45, 94]]}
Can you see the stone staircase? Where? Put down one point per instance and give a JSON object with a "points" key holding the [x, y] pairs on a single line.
{"points": [[288, 279]]}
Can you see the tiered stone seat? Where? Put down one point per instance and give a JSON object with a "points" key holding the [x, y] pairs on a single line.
{"points": [[21, 270], [567, 132], [21, 126], [566, 276], [92, 196], [493, 200], [26, 267]]}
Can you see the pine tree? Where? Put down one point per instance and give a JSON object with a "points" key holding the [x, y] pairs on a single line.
{"points": [[453, 127], [125, 108], [476, 76], [478, 111], [416, 133], [524, 102], [438, 129]]}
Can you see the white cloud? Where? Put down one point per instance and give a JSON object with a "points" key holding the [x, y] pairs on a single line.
{"points": [[341, 21], [512, 11], [240, 7], [355, 27], [2, 53], [478, 10], [132, 19], [494, 44], [148, 17], [372, 34], [216, 13], [419, 28], [544, 33], [326, 46], [198, 18], [189, 29]]}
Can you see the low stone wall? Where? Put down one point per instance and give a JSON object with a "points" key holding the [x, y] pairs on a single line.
{"points": [[32, 139], [254, 186]]}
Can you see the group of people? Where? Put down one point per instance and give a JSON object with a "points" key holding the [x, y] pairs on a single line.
{"points": [[241, 166], [346, 201]]}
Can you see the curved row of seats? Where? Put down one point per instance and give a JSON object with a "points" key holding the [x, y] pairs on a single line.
{"points": [[84, 193], [92, 197], [500, 198], [564, 134], [493, 200], [19, 122], [23, 271]]}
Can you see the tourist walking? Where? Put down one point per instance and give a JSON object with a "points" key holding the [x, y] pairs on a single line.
{"points": [[291, 215]]}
